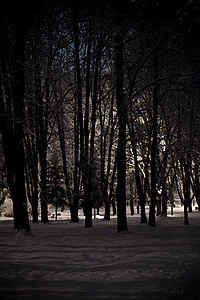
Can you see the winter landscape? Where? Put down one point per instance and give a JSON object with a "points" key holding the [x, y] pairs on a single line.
{"points": [[99, 110], [63, 260]]}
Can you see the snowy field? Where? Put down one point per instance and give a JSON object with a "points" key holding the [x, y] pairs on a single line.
{"points": [[62, 260]]}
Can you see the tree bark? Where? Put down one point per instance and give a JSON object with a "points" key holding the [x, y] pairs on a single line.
{"points": [[184, 164], [32, 173], [41, 130], [163, 182], [141, 194], [154, 145], [86, 176], [197, 184], [12, 122], [63, 151], [122, 118]]}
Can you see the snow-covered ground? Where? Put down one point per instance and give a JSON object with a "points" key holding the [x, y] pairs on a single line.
{"points": [[63, 260]]}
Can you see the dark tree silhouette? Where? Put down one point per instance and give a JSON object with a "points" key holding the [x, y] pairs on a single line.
{"points": [[12, 111], [122, 119]]}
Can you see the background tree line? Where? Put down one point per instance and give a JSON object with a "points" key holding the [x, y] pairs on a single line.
{"points": [[99, 103]]}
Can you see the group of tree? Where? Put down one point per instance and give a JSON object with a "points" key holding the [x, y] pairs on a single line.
{"points": [[99, 103]]}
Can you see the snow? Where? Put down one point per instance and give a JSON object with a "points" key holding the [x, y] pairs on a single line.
{"points": [[63, 260]]}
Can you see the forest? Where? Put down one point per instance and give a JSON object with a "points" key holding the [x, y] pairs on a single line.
{"points": [[99, 107]]}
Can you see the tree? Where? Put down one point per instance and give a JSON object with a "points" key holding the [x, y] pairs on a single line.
{"points": [[12, 112], [88, 77], [86, 171], [122, 119]]}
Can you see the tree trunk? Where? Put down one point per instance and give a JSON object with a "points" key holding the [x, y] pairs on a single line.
{"points": [[41, 130], [186, 221], [186, 187], [141, 194], [43, 178], [164, 204], [13, 133], [132, 205], [121, 112], [107, 199], [154, 146], [163, 183], [63, 151], [32, 172], [112, 196], [74, 206], [35, 184], [86, 177], [88, 204], [197, 184], [103, 155]]}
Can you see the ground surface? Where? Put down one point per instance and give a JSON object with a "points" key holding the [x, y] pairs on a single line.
{"points": [[62, 260]]}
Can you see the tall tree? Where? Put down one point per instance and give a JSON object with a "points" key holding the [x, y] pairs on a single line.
{"points": [[122, 118], [154, 145], [85, 169], [12, 111]]}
